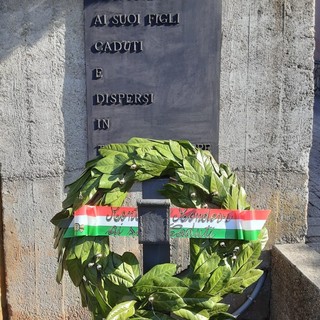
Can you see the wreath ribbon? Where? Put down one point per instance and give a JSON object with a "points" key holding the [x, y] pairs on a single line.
{"points": [[184, 223]]}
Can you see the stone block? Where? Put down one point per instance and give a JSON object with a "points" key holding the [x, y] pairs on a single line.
{"points": [[30, 260], [295, 283]]}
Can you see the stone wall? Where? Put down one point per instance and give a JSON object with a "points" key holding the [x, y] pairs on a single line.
{"points": [[265, 128]]}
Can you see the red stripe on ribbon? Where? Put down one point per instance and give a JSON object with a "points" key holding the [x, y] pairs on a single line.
{"points": [[177, 213], [105, 211]]}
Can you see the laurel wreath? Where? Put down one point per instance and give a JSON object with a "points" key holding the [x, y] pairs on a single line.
{"points": [[111, 285]]}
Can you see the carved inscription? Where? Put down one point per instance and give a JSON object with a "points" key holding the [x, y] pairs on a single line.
{"points": [[165, 19], [97, 73], [117, 47], [123, 99], [127, 20], [203, 146], [102, 124]]}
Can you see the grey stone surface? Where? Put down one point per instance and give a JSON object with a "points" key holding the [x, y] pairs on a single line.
{"points": [[295, 283], [42, 146], [265, 128], [266, 106], [30, 259]]}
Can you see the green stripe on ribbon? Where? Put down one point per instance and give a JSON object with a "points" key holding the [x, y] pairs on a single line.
{"points": [[203, 233]]}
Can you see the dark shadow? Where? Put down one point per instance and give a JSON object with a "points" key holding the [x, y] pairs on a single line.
{"points": [[37, 19], [74, 97], [22, 30], [313, 234]]}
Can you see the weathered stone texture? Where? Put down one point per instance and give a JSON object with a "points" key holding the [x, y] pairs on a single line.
{"points": [[266, 106], [42, 145], [295, 283]]}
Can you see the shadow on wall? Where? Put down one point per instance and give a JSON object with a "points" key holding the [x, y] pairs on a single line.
{"points": [[42, 101], [56, 28], [74, 94]]}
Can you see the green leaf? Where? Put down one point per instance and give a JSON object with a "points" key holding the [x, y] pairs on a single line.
{"points": [[223, 316], [219, 308], [231, 200], [166, 301], [263, 238], [187, 146], [136, 141], [75, 188], [153, 164], [196, 281], [195, 249], [205, 161], [62, 219], [122, 311], [59, 234], [114, 293], [200, 300], [77, 184], [218, 280], [225, 170], [75, 270], [202, 258], [115, 271], [165, 151], [83, 292], [155, 284], [192, 164], [91, 247], [177, 150], [91, 163], [242, 202], [107, 181], [234, 285], [105, 308], [82, 248], [131, 265], [60, 271], [251, 277], [217, 186], [195, 179], [115, 197], [180, 195], [209, 265], [250, 251], [191, 315], [158, 271], [153, 315], [87, 192], [252, 264], [112, 149], [113, 164], [142, 175]]}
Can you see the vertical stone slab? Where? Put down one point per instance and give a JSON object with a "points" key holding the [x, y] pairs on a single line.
{"points": [[42, 96], [266, 106]]}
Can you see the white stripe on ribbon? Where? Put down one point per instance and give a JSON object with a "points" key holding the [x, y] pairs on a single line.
{"points": [[129, 222]]}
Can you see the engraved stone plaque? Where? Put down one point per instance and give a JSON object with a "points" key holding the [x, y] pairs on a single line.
{"points": [[152, 70]]}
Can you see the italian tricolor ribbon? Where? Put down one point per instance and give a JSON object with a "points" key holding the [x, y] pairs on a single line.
{"points": [[184, 223]]}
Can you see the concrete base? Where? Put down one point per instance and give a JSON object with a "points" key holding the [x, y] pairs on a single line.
{"points": [[295, 292]]}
